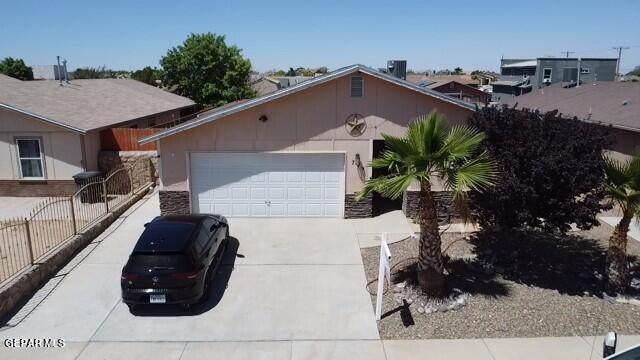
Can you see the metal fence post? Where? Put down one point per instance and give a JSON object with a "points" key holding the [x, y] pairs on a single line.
{"points": [[26, 224], [73, 216], [106, 199]]}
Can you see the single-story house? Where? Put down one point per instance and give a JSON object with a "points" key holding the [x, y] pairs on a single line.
{"points": [[300, 151], [49, 130], [614, 105], [267, 84]]}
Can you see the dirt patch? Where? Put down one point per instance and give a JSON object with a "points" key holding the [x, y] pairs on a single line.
{"points": [[523, 285]]}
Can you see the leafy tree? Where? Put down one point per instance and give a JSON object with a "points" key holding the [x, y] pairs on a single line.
{"points": [[100, 72], [322, 70], [16, 68], [428, 150], [147, 75], [635, 71], [291, 72], [280, 73], [207, 70], [622, 184], [550, 170], [458, 71]]}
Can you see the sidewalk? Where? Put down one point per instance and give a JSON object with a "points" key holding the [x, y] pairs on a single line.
{"points": [[561, 348]]}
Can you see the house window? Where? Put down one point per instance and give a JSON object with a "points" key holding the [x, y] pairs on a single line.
{"points": [[546, 75], [357, 86], [30, 158], [584, 70]]}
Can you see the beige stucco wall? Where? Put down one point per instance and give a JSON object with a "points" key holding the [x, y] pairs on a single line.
{"points": [[310, 120], [91, 149], [62, 148]]}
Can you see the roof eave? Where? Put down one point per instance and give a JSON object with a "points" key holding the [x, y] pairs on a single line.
{"points": [[43, 118], [299, 87]]}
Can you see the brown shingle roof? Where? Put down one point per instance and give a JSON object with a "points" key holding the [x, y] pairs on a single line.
{"points": [[608, 102], [88, 104]]}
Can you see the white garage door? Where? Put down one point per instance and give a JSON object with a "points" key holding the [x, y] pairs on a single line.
{"points": [[268, 184]]}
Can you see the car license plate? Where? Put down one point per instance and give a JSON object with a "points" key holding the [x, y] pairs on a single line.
{"points": [[157, 299]]}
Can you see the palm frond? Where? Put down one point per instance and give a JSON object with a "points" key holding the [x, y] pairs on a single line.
{"points": [[426, 133], [392, 186], [398, 145], [617, 173], [476, 173], [462, 141]]}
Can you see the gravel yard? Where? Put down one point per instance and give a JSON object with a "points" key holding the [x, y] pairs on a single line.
{"points": [[524, 285]]}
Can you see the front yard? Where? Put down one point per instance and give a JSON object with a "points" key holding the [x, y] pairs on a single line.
{"points": [[522, 285]]}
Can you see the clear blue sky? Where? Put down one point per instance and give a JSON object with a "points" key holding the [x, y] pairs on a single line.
{"points": [[277, 34]]}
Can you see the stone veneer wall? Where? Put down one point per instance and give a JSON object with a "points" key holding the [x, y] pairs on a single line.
{"points": [[354, 209], [174, 202], [107, 160], [444, 206]]}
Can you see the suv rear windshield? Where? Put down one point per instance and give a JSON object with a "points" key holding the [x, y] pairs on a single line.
{"points": [[141, 263], [165, 237]]}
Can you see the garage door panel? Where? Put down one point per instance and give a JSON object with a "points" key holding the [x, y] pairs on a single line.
{"points": [[278, 210], [313, 193], [295, 193], [258, 193], [332, 210], [332, 193], [259, 209], [268, 184], [277, 193]]}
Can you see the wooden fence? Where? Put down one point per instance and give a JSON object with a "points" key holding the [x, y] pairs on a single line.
{"points": [[126, 139]]}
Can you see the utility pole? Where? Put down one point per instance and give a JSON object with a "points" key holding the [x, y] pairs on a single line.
{"points": [[619, 48], [567, 53]]}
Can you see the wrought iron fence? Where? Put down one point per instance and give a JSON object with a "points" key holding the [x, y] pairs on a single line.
{"points": [[25, 241]]}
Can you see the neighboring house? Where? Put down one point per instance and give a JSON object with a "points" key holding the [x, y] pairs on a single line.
{"points": [[50, 131], [461, 79], [614, 105], [458, 90], [300, 151], [521, 76], [268, 84]]}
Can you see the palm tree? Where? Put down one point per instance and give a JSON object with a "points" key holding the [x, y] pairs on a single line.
{"points": [[429, 151], [622, 183]]}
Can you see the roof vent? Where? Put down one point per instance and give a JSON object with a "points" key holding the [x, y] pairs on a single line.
{"points": [[626, 102], [357, 86]]}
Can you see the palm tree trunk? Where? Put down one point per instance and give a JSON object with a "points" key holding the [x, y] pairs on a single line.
{"points": [[430, 266], [617, 270]]}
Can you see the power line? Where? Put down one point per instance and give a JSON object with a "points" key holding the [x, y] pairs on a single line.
{"points": [[619, 48]]}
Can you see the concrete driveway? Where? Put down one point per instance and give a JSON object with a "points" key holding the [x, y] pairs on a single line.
{"points": [[287, 286]]}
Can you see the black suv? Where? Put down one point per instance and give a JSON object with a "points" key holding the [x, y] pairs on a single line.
{"points": [[174, 260]]}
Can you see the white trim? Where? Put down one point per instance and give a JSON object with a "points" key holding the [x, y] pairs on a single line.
{"points": [[20, 158], [42, 118], [217, 114], [550, 73]]}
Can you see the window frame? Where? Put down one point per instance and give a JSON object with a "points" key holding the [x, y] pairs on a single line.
{"points": [[17, 139], [585, 70], [351, 86], [550, 74]]}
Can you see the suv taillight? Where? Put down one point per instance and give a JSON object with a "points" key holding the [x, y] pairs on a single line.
{"points": [[128, 276], [185, 275]]}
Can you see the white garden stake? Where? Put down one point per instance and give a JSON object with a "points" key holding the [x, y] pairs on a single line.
{"points": [[384, 273]]}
